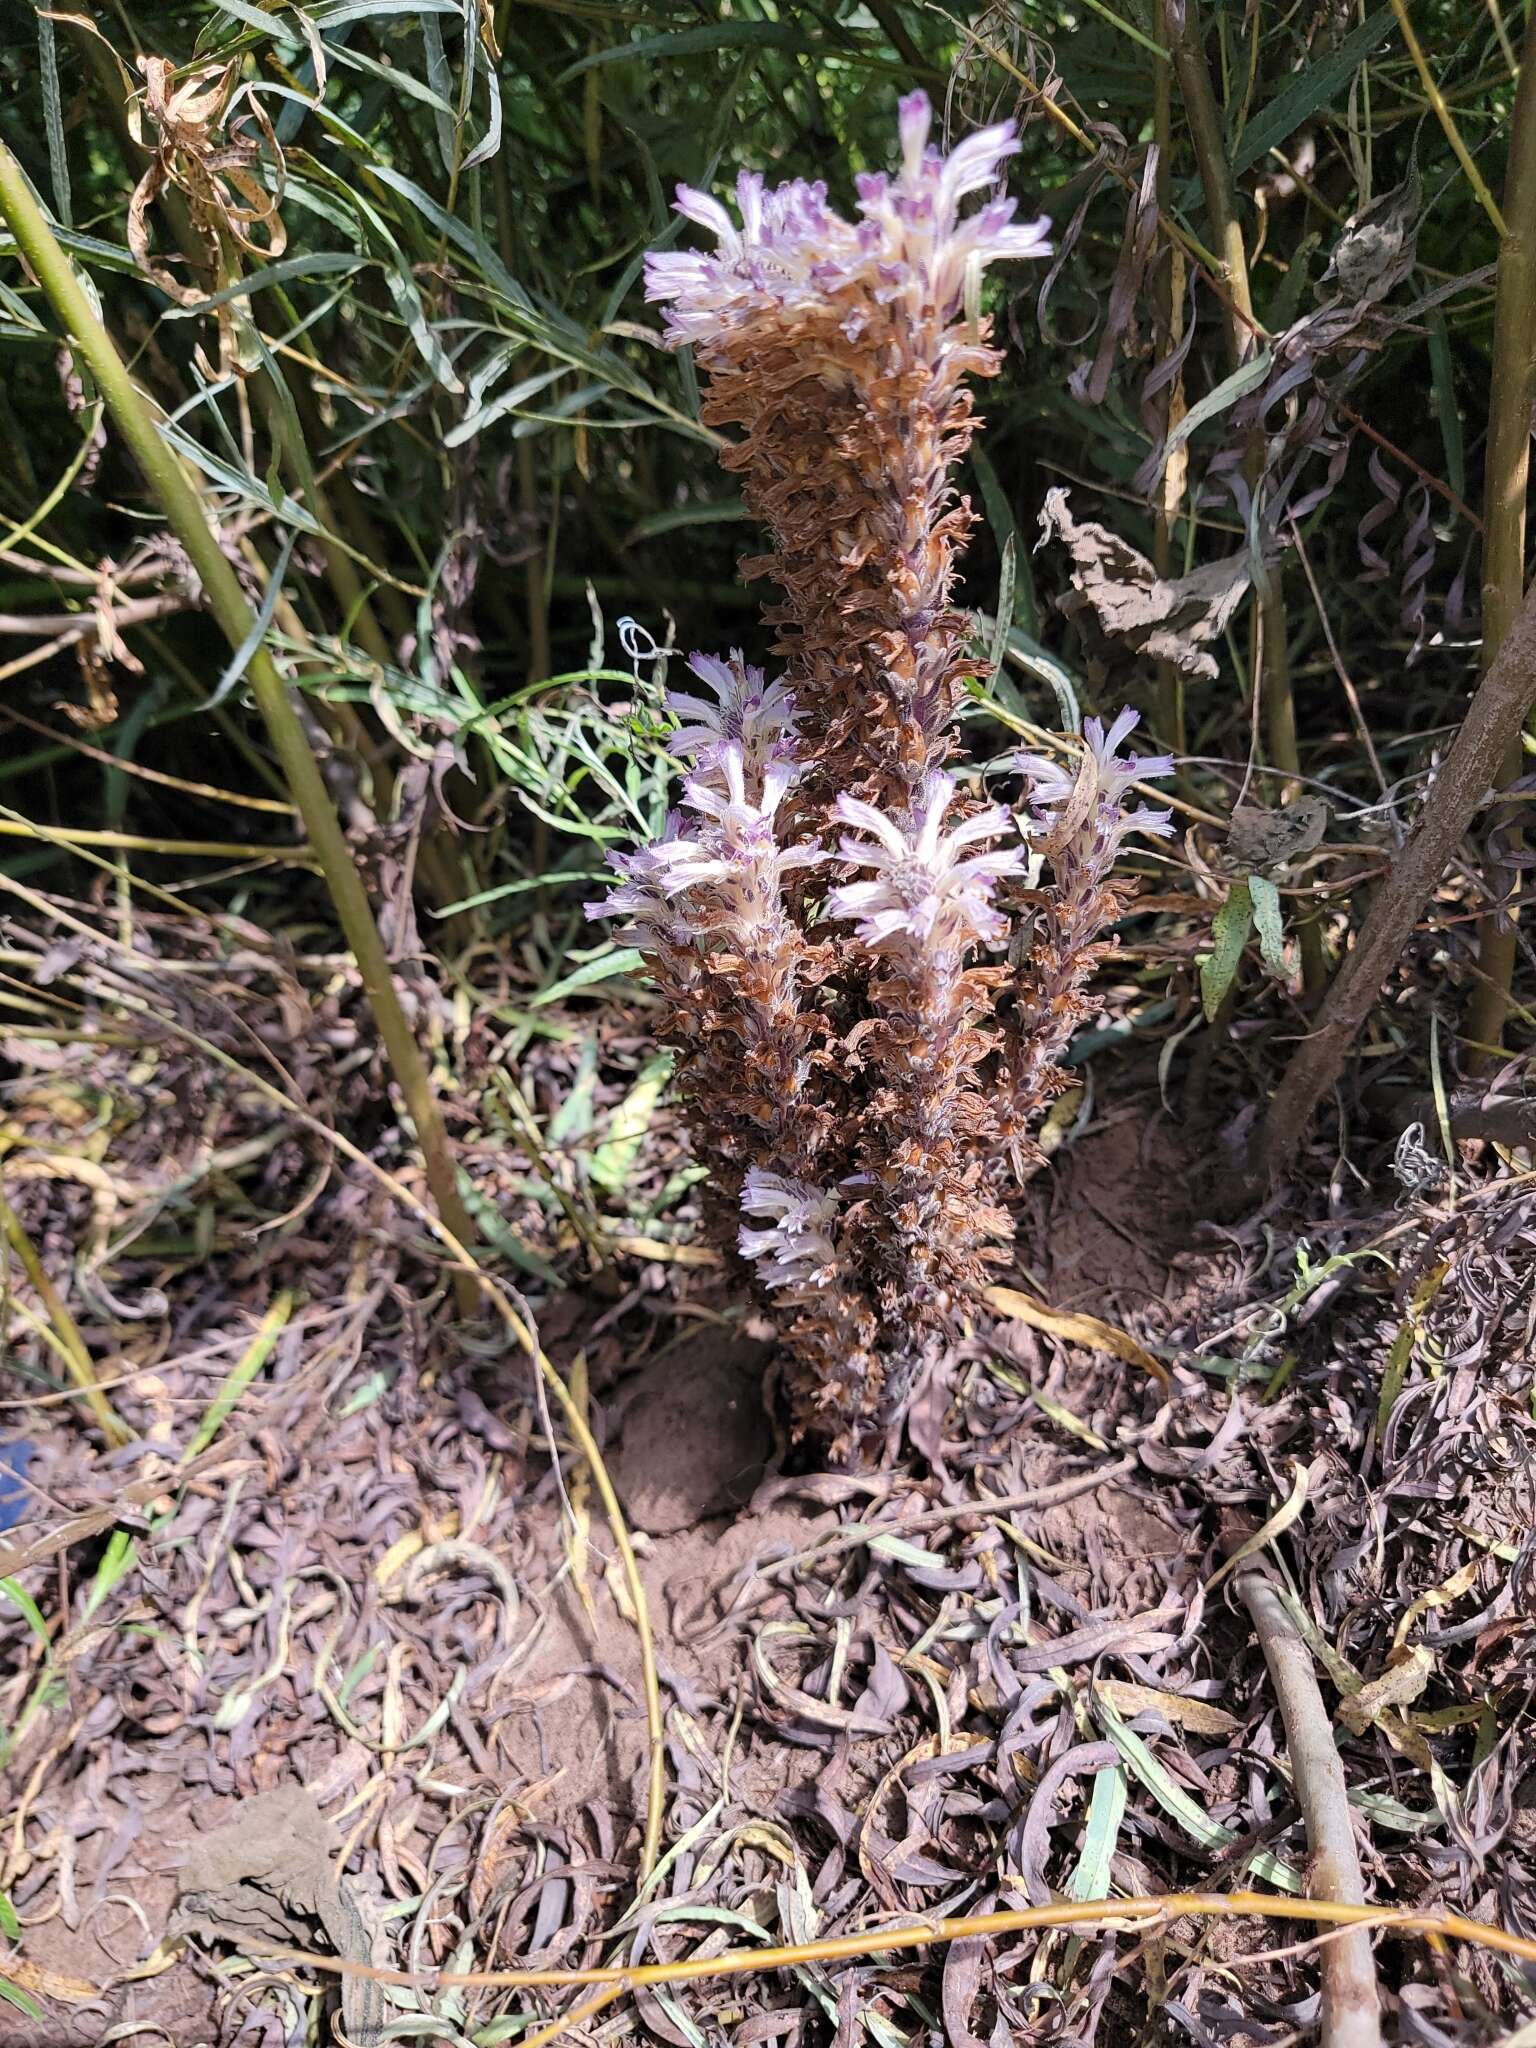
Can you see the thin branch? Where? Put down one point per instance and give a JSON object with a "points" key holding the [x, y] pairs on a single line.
{"points": [[1504, 697], [184, 510], [1506, 472], [886, 1940], [1351, 2003]]}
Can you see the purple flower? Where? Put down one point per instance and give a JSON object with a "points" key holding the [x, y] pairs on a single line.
{"points": [[725, 874], [1050, 786], [792, 251], [797, 1248], [923, 891], [752, 714]]}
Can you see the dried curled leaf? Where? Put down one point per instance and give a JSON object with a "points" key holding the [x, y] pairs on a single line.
{"points": [[1118, 593], [201, 151]]}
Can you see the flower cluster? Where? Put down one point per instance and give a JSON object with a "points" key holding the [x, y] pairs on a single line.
{"points": [[1081, 821], [925, 897], [828, 909], [840, 349], [793, 255]]}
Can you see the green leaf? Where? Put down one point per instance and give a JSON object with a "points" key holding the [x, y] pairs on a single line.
{"points": [[496, 1232], [1225, 395], [53, 118], [1026, 611], [688, 42], [1040, 662], [1310, 90], [715, 512], [1270, 925], [117, 1560], [23, 2001], [318, 265], [18, 1595], [1177, 1803], [1229, 935], [614, 1159], [1106, 1810], [255, 1356], [607, 967], [245, 653], [10, 1926], [1444, 384], [367, 10]]}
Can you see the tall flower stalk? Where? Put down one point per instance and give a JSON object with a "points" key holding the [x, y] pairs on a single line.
{"points": [[828, 910]]}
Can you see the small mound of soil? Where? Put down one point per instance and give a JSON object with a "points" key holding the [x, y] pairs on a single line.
{"points": [[695, 1433]]}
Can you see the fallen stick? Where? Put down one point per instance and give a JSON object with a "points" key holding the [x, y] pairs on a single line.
{"points": [[1351, 2004]]}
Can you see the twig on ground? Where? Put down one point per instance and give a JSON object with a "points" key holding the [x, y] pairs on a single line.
{"points": [[877, 1941], [1351, 2005]]}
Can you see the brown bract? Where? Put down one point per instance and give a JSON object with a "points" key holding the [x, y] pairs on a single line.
{"points": [[846, 454]]}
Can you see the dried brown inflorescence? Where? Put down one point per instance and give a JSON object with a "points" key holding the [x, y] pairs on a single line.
{"points": [[827, 913]]}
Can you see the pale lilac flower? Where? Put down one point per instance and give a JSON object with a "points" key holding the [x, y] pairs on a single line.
{"points": [[1052, 784], [657, 915], [792, 251], [923, 890], [797, 1248], [723, 873], [749, 712]]}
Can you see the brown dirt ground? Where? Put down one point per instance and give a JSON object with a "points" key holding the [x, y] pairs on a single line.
{"points": [[1111, 1232]]}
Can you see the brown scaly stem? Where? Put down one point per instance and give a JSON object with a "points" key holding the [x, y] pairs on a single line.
{"points": [[185, 512], [841, 348], [1511, 392]]}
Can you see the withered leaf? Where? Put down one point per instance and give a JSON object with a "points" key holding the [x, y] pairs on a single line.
{"points": [[1133, 610], [1260, 839]]}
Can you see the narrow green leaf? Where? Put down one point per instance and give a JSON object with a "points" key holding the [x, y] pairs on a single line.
{"points": [[1309, 91], [53, 118], [318, 265], [1270, 925], [1225, 395], [368, 10], [19, 1597], [1049, 668], [10, 1926], [1178, 1803], [23, 2001], [117, 1560], [608, 967], [1106, 1810], [255, 1356], [717, 512], [688, 42], [614, 1159], [1229, 935], [1443, 381]]}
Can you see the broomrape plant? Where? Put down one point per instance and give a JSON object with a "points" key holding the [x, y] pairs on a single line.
{"points": [[826, 910]]}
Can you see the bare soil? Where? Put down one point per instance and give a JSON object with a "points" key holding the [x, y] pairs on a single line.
{"points": [[841, 1740]]}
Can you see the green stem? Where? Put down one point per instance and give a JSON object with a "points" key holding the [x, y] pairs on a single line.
{"points": [[71, 1344], [1511, 392], [184, 510], [1166, 289]]}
